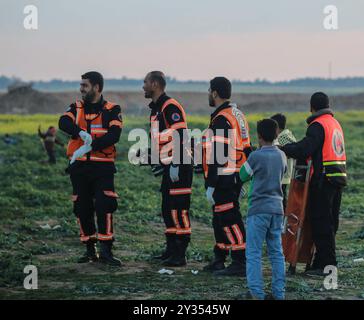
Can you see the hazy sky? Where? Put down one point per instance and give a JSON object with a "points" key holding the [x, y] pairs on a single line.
{"points": [[187, 39]]}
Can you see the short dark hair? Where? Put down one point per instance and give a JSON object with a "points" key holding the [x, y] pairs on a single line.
{"points": [[159, 77], [222, 86], [319, 100], [95, 78], [281, 120], [267, 129]]}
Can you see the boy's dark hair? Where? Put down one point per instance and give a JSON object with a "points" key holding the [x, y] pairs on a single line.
{"points": [[222, 86], [159, 77], [267, 129], [319, 100], [281, 120], [95, 78]]}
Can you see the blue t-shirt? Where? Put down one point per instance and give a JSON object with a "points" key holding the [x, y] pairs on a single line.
{"points": [[265, 167]]}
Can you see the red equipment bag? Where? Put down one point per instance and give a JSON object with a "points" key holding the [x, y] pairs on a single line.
{"points": [[296, 237]]}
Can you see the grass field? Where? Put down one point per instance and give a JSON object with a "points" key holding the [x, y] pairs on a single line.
{"points": [[33, 194]]}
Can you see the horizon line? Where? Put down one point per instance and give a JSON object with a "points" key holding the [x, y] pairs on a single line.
{"points": [[259, 79]]}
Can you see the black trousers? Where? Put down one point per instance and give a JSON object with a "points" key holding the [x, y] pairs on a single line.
{"points": [[51, 156], [228, 224], [94, 193], [285, 189], [176, 199], [324, 208]]}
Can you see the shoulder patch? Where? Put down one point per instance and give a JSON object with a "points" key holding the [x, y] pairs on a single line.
{"points": [[176, 117], [338, 143]]}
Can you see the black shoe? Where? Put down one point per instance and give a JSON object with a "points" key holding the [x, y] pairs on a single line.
{"points": [[90, 255], [249, 296], [315, 273], [175, 261], [170, 247], [269, 297], [163, 256], [178, 257], [216, 264], [106, 255], [235, 269]]}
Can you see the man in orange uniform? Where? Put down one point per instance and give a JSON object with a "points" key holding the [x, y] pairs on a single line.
{"points": [[94, 125], [168, 122], [324, 145], [227, 136]]}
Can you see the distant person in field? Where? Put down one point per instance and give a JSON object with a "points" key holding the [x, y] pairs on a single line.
{"points": [[94, 125], [265, 168], [324, 145], [49, 139], [285, 136], [9, 140]]}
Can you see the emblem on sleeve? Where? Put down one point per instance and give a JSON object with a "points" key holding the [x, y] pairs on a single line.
{"points": [[176, 117], [338, 143]]}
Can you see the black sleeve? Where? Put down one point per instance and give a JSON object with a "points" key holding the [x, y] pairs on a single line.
{"points": [[67, 122], [114, 131], [220, 128], [59, 142], [248, 150], [175, 120], [314, 140], [40, 134]]}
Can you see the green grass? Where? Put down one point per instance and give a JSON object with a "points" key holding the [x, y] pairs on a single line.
{"points": [[33, 194]]}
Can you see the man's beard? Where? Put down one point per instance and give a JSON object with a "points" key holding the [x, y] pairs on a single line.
{"points": [[211, 102], [148, 94], [90, 96]]}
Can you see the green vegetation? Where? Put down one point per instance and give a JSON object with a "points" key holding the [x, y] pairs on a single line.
{"points": [[33, 194]]}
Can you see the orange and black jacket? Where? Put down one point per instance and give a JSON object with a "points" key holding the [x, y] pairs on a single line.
{"points": [[219, 125], [311, 146], [171, 117], [109, 117]]}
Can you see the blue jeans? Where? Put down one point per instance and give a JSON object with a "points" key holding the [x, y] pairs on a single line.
{"points": [[267, 227]]}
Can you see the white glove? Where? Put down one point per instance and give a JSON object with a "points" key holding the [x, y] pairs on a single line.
{"points": [[242, 193], [86, 137], [209, 195], [174, 173], [80, 152]]}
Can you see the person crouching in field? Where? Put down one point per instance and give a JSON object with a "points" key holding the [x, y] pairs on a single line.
{"points": [[265, 168], [49, 140]]}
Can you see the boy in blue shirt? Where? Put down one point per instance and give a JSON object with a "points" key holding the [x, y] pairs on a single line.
{"points": [[265, 168]]}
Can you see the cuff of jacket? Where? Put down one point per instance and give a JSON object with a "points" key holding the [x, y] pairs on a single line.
{"points": [[76, 132]]}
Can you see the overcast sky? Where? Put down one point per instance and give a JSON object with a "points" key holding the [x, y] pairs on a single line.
{"points": [[187, 39]]}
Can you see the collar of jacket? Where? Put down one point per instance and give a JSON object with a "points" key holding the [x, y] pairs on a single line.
{"points": [[156, 106], [225, 105], [319, 114], [95, 107]]}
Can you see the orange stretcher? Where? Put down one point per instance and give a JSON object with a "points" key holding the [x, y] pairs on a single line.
{"points": [[296, 237]]}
